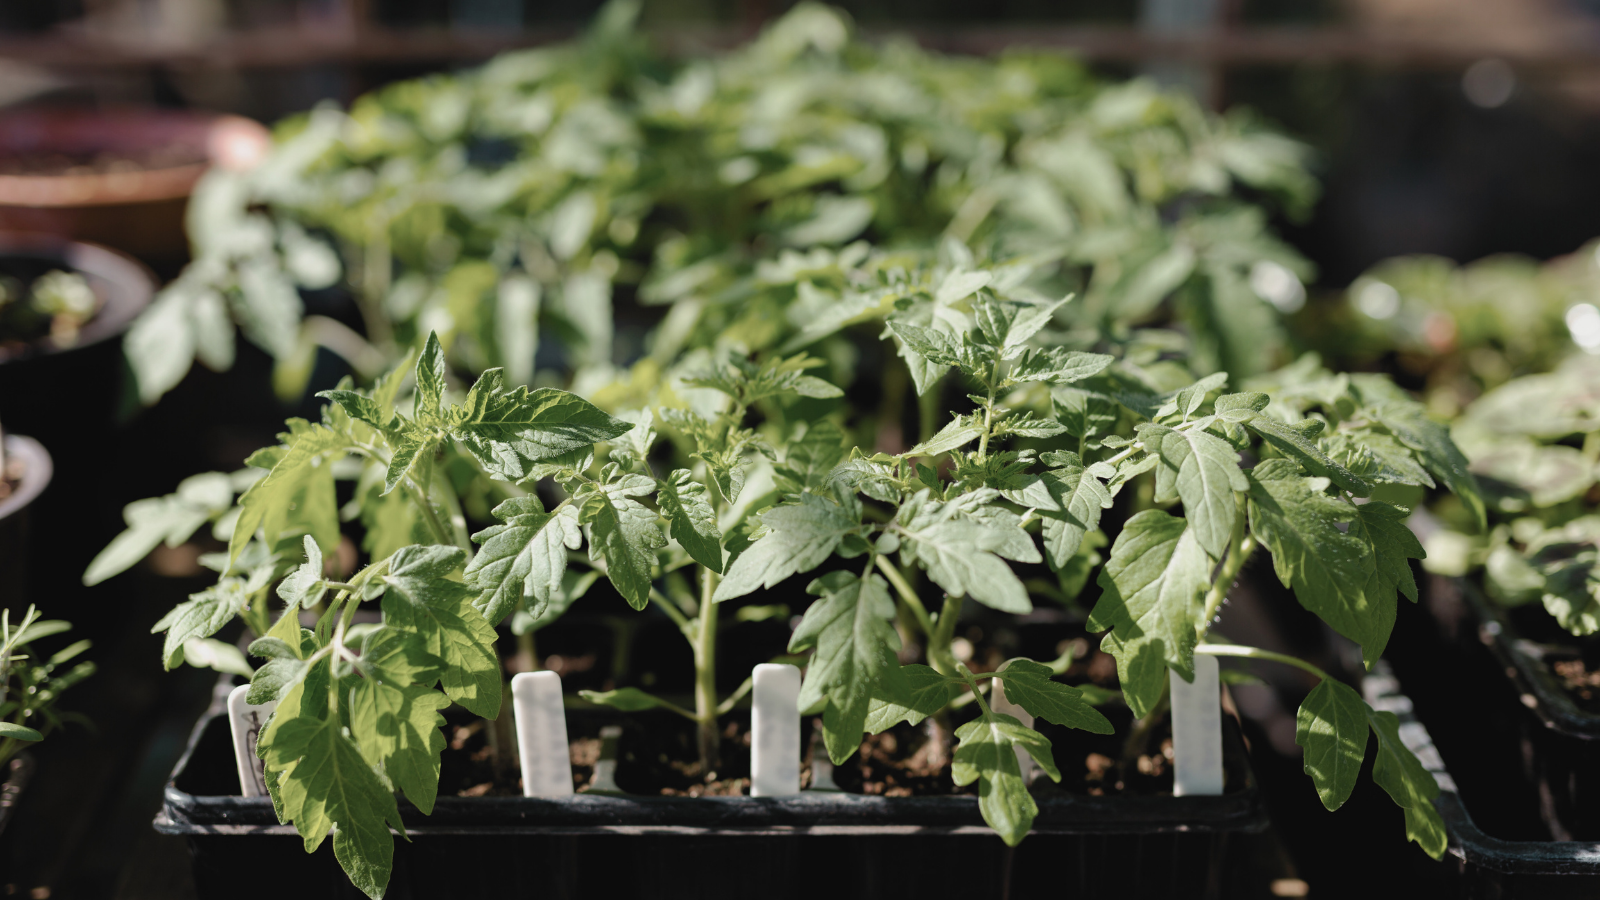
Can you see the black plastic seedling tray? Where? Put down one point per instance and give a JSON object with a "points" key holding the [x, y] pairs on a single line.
{"points": [[1494, 868], [813, 844]]}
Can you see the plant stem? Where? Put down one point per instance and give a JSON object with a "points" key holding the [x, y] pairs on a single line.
{"points": [[1258, 653], [939, 654], [375, 273], [527, 647], [988, 413], [912, 601], [420, 497], [705, 675], [1239, 550]]}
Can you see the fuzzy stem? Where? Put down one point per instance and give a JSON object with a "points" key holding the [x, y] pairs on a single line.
{"points": [[1239, 550], [705, 674], [939, 653], [909, 596], [1258, 653], [527, 647]]}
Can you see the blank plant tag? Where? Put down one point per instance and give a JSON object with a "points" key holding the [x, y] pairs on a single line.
{"points": [[821, 765], [1197, 731], [1000, 704], [542, 734], [605, 768], [775, 727], [246, 721]]}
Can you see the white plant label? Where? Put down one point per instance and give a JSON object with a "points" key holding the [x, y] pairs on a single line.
{"points": [[246, 720], [542, 734], [1197, 731], [775, 731], [821, 765], [605, 768]]}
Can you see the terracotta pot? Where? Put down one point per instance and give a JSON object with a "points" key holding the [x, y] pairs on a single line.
{"points": [[137, 206]]}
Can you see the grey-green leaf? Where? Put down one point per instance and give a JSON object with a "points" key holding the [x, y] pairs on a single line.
{"points": [[523, 557], [800, 536], [1152, 590], [1327, 567], [686, 504], [1298, 442], [987, 754], [1332, 729], [1201, 470], [1028, 684]]}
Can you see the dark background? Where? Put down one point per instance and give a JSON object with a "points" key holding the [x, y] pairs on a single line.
{"points": [[1410, 163]]}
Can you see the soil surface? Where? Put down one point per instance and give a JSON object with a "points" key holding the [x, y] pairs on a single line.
{"points": [[109, 162], [1575, 661], [657, 754]]}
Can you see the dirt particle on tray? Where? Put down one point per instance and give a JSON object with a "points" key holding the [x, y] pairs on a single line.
{"points": [[478, 790], [584, 751], [1097, 765], [464, 733], [1577, 678]]}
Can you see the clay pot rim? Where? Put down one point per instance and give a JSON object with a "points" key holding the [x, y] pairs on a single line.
{"points": [[122, 188]]}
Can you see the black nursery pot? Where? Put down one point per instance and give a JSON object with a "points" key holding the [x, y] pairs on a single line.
{"points": [[814, 844], [15, 516], [45, 380], [1523, 796]]}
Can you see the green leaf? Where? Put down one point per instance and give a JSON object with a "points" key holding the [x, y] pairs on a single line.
{"points": [[800, 536], [687, 506], [1327, 568], [1069, 500], [1398, 771], [397, 729], [1431, 441], [172, 520], [406, 449], [19, 732], [399, 657], [428, 404], [1028, 684], [220, 656], [358, 406], [508, 431], [987, 754], [623, 532], [628, 699], [959, 553], [842, 727], [296, 498], [201, 616], [850, 625], [524, 557], [961, 431], [1391, 546], [809, 457], [1055, 366], [1202, 471], [423, 597], [1332, 729], [305, 586], [324, 784], [926, 692], [1153, 588], [1298, 442]]}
